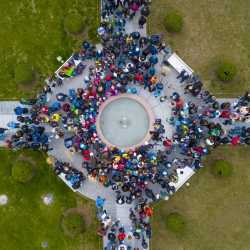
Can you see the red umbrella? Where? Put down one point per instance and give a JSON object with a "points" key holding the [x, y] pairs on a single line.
{"points": [[138, 77], [179, 104], [235, 140], [121, 236], [86, 155], [225, 114], [45, 109], [121, 166], [167, 143], [108, 78], [148, 211], [66, 107]]}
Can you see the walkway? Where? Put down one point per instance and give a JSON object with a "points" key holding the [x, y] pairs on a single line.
{"points": [[7, 113]]}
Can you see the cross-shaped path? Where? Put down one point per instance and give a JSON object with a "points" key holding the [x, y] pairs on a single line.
{"points": [[91, 188]]}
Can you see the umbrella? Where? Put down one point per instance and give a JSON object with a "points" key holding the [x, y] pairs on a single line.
{"points": [[99, 202], [235, 140], [122, 247], [50, 160], [56, 105], [153, 59], [66, 107], [247, 140], [18, 110], [121, 236], [145, 11], [148, 211], [111, 236]]}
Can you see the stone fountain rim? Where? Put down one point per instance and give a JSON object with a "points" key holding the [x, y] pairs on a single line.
{"points": [[141, 101]]}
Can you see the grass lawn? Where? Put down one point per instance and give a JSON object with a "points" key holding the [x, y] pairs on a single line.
{"points": [[217, 211], [32, 31], [26, 222], [213, 30]]}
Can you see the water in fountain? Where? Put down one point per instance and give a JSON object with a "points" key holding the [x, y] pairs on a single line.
{"points": [[124, 122]]}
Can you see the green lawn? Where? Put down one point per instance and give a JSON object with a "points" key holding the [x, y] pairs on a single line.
{"points": [[213, 30], [32, 31], [217, 211], [26, 222]]}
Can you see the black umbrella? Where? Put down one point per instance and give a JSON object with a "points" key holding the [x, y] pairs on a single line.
{"points": [[150, 194], [247, 140], [145, 11], [111, 236]]}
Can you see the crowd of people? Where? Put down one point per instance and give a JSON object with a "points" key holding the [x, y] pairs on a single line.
{"points": [[116, 233], [142, 175]]}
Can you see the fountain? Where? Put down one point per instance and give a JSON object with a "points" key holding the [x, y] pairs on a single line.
{"points": [[124, 121]]}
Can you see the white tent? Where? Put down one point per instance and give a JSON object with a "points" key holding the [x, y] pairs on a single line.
{"points": [[178, 64]]}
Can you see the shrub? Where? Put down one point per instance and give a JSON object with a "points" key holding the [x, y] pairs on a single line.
{"points": [[73, 224], [226, 71], [173, 21], [73, 23], [222, 168], [22, 171], [23, 73], [175, 222]]}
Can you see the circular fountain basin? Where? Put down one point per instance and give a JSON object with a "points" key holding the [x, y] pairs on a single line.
{"points": [[124, 121]]}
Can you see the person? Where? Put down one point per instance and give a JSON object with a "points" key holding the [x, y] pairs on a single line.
{"points": [[145, 11], [142, 20], [2, 130], [161, 46], [100, 202]]}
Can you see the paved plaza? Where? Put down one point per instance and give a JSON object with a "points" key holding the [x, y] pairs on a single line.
{"points": [[162, 110]]}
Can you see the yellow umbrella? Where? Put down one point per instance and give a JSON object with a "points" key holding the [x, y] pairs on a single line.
{"points": [[56, 117], [50, 160]]}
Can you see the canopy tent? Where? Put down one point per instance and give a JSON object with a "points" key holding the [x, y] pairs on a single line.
{"points": [[178, 64]]}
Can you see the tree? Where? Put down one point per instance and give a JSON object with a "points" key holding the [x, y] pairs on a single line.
{"points": [[23, 73], [73, 23], [226, 71], [173, 21], [73, 224], [175, 222], [22, 171], [222, 168]]}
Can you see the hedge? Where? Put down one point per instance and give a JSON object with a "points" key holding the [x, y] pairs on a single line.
{"points": [[222, 168], [73, 23], [173, 21], [175, 222], [23, 73], [73, 224], [226, 71], [22, 171]]}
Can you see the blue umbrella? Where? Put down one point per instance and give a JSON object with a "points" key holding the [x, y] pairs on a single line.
{"points": [[153, 59], [56, 105], [99, 202], [18, 110]]}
